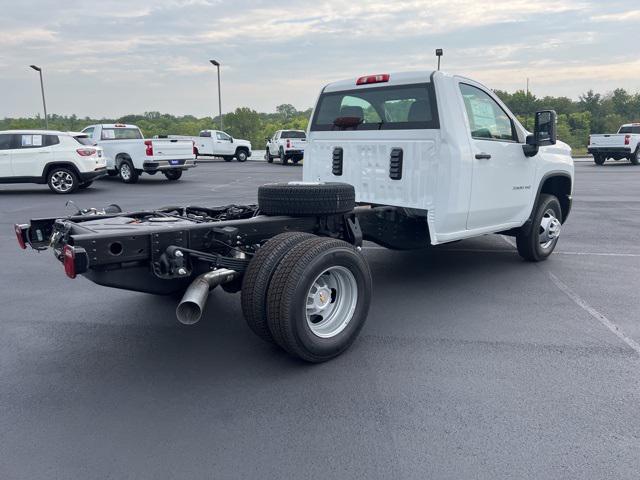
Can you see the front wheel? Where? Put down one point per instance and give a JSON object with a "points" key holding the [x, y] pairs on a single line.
{"points": [[173, 174], [62, 180], [541, 239], [242, 155], [268, 157], [318, 299]]}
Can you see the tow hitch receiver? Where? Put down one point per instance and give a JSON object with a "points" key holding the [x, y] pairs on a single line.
{"points": [[75, 259]]}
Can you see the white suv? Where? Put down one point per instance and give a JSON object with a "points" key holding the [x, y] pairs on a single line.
{"points": [[63, 160]]}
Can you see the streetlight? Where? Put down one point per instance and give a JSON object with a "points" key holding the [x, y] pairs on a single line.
{"points": [[217, 64], [44, 104]]}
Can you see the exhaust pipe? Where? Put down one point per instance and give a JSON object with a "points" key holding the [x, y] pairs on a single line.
{"points": [[190, 308]]}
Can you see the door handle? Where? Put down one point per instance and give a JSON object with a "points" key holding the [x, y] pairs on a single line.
{"points": [[483, 156]]}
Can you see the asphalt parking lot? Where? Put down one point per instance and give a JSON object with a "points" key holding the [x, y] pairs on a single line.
{"points": [[473, 364]]}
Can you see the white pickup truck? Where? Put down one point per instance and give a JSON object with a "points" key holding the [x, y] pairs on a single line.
{"points": [[286, 145], [404, 160], [220, 144], [624, 144], [129, 154]]}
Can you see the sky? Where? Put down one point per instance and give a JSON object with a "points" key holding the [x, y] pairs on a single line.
{"points": [[111, 58]]}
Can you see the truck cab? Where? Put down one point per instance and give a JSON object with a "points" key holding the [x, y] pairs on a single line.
{"points": [[442, 146]]}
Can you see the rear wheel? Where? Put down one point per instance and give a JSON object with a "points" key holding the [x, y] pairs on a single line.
{"points": [[128, 174], [227, 158], [255, 282], [283, 157], [635, 157], [318, 299], [62, 180], [173, 174], [540, 241], [599, 159], [268, 157]]}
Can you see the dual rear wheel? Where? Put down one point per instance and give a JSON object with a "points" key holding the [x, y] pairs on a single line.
{"points": [[310, 295]]}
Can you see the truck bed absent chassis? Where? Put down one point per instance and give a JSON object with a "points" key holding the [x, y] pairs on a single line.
{"points": [[137, 250]]}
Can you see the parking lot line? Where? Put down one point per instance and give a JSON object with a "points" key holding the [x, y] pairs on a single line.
{"points": [[615, 329]]}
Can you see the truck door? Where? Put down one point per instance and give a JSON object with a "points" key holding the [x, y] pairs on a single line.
{"points": [[6, 145], [223, 141], [502, 182]]}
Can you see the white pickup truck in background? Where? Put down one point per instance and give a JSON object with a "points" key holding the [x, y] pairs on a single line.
{"points": [[217, 143], [286, 144], [129, 154], [624, 144]]}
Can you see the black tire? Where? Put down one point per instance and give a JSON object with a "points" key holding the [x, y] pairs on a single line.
{"points": [[85, 185], [268, 157], [529, 242], [289, 290], [283, 157], [127, 173], [307, 199], [599, 159], [173, 174], [112, 173], [62, 180], [227, 158], [635, 157], [242, 155], [255, 282]]}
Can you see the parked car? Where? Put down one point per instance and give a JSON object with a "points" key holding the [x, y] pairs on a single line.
{"points": [[404, 160], [129, 154], [624, 144], [220, 144], [62, 160], [286, 145]]}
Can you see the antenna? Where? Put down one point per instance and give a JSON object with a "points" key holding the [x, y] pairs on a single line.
{"points": [[439, 55]]}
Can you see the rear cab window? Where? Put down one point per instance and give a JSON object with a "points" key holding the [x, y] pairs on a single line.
{"points": [[120, 133], [630, 129], [293, 134], [401, 107]]}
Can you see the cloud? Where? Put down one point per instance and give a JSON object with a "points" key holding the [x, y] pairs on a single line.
{"points": [[628, 16]]}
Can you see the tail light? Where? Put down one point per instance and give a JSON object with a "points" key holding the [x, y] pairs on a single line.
{"points": [[149, 145], [288, 143], [86, 152], [627, 139], [195, 150], [382, 78], [75, 260], [20, 231]]}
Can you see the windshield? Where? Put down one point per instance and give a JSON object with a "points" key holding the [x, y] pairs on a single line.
{"points": [[402, 107], [121, 134], [292, 134], [630, 129]]}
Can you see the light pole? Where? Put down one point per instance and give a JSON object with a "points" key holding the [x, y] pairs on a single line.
{"points": [[439, 54], [217, 65], [44, 104]]}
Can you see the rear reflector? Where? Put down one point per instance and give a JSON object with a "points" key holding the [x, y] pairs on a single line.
{"points": [[149, 145], [20, 230], [384, 77]]}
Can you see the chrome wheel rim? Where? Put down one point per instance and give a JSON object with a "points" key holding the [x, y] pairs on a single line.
{"points": [[550, 228], [62, 181], [242, 156], [125, 171], [331, 302]]}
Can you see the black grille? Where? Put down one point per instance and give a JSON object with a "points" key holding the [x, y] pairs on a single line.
{"points": [[395, 164], [337, 161]]}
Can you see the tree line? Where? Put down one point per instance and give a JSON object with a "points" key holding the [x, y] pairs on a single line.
{"points": [[591, 113]]}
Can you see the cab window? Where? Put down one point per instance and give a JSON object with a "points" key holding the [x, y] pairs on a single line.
{"points": [[487, 120], [6, 141], [223, 136]]}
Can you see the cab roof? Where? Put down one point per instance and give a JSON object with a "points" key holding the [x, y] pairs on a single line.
{"points": [[34, 131], [397, 78]]}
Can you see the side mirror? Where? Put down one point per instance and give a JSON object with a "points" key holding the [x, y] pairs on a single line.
{"points": [[231, 139], [544, 132]]}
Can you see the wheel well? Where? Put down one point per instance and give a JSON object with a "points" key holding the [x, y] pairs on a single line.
{"points": [[560, 187], [239, 149], [69, 165], [121, 157]]}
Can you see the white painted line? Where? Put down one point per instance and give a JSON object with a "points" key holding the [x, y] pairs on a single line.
{"points": [[499, 250], [617, 331]]}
